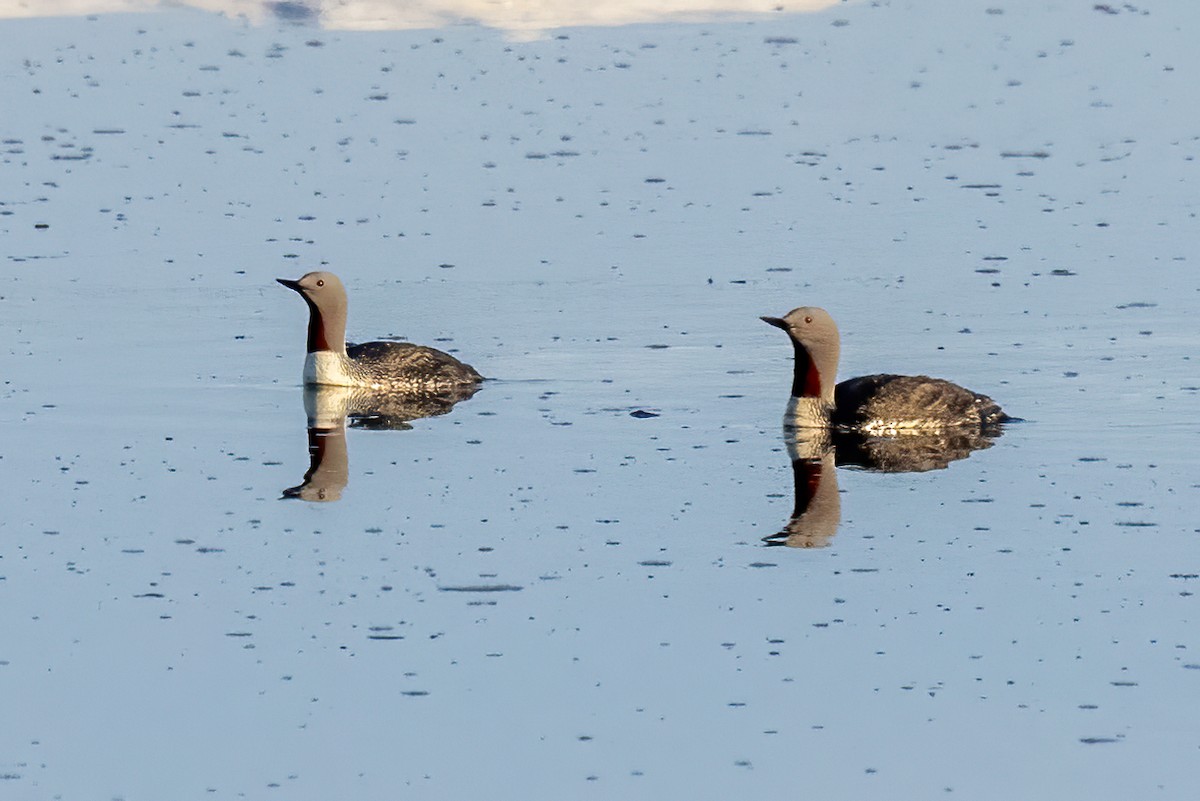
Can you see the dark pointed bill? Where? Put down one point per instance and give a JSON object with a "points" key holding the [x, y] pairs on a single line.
{"points": [[289, 283], [775, 321]]}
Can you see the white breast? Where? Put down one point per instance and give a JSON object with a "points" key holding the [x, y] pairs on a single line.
{"points": [[806, 413], [326, 367]]}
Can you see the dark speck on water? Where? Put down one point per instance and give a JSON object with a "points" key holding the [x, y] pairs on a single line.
{"points": [[481, 588]]}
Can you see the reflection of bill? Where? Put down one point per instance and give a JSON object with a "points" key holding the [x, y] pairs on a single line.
{"points": [[818, 509], [816, 453], [328, 466], [328, 409], [525, 18]]}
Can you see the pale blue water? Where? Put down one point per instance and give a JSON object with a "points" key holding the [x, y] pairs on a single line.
{"points": [[540, 595]]}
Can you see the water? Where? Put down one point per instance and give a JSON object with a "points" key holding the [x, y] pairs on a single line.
{"points": [[560, 588]]}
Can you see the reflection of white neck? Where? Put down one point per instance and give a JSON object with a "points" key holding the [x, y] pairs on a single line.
{"points": [[327, 406], [806, 443], [807, 413], [328, 368]]}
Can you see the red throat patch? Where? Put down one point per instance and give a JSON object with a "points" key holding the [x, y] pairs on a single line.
{"points": [[812, 381], [316, 329], [806, 381]]}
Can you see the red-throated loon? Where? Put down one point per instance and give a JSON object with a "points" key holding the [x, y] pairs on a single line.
{"points": [[872, 404], [389, 366]]}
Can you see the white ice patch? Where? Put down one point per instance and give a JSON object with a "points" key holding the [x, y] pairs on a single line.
{"points": [[523, 20]]}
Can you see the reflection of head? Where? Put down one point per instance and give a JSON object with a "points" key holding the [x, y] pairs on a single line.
{"points": [[818, 509], [328, 408], [328, 466], [817, 453]]}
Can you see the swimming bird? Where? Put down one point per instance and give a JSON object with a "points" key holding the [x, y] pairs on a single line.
{"points": [[390, 366], [871, 404]]}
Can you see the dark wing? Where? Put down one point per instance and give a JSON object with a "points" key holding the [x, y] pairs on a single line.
{"points": [[420, 360], [913, 397]]}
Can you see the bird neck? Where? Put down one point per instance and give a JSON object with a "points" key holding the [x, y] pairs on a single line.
{"points": [[326, 331], [813, 378]]}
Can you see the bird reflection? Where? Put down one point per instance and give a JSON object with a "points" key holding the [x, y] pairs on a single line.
{"points": [[329, 408], [328, 466], [818, 508], [816, 453]]}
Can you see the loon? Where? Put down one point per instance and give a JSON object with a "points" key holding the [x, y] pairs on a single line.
{"points": [[388, 366], [876, 405]]}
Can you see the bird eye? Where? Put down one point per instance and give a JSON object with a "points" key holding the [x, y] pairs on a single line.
{"points": [[808, 319], [320, 282]]}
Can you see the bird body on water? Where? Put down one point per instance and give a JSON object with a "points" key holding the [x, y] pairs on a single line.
{"points": [[882, 404], [391, 366]]}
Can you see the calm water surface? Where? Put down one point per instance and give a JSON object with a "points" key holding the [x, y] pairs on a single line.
{"points": [[560, 589]]}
